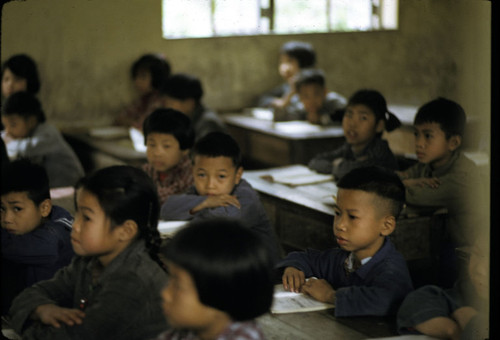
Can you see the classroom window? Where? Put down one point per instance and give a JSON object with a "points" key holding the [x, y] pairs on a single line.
{"points": [[222, 18]]}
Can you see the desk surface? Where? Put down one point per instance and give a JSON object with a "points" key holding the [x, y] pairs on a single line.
{"points": [[293, 130], [315, 196]]}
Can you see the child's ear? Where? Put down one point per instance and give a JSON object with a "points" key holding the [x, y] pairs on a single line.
{"points": [[185, 152], [45, 207], [380, 127], [454, 142], [128, 230], [388, 226], [31, 122], [239, 173]]}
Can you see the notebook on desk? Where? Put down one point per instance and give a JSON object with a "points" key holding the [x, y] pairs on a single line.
{"points": [[289, 302], [296, 175]]}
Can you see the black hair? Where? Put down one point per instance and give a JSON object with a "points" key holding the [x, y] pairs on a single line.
{"points": [[170, 121], [376, 102], [25, 105], [24, 176], [301, 51], [156, 65], [127, 193], [23, 66], [216, 144], [183, 86], [229, 263], [448, 114], [377, 180], [310, 76]]}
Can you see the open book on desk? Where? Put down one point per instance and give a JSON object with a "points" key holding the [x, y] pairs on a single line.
{"points": [[297, 175], [289, 302]]}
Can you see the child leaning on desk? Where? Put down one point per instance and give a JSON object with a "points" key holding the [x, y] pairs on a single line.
{"points": [[445, 177], [365, 118], [219, 190], [366, 275], [168, 137], [317, 105], [294, 56], [110, 290], [27, 134], [220, 279], [35, 234]]}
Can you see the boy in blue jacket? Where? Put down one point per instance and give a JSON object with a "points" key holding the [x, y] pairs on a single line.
{"points": [[366, 275], [35, 235], [219, 190]]}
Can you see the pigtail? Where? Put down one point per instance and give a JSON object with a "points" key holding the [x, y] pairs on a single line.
{"points": [[391, 121], [152, 236]]}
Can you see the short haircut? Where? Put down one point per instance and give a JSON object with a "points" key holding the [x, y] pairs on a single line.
{"points": [[23, 66], [448, 114], [377, 180], [310, 76], [377, 103], [24, 176], [229, 263], [183, 86], [170, 121], [25, 105], [216, 144], [301, 51], [156, 65]]}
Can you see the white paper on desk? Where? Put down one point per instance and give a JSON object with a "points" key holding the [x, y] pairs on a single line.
{"points": [[137, 139], [169, 228], [109, 132], [297, 126], [297, 175], [288, 302]]}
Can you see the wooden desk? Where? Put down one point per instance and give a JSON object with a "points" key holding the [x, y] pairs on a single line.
{"points": [[267, 143], [96, 153], [324, 325], [303, 218]]}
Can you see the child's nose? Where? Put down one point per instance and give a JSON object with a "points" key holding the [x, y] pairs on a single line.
{"points": [[7, 217]]}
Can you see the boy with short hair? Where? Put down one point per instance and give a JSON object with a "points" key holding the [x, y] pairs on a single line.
{"points": [[28, 135], [444, 177], [366, 275], [35, 234], [219, 190], [294, 56], [317, 105], [184, 92], [168, 137]]}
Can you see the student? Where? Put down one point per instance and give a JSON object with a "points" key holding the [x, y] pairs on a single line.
{"points": [[168, 136], [220, 280], [19, 73], [317, 105], [219, 190], [366, 275], [28, 135], [184, 93], [294, 56], [35, 234], [365, 118], [110, 290], [149, 74], [460, 312], [444, 177]]}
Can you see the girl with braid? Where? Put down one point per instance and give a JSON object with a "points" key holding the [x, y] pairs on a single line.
{"points": [[111, 289]]}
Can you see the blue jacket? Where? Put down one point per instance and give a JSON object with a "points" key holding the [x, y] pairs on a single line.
{"points": [[35, 256], [252, 213], [376, 288]]}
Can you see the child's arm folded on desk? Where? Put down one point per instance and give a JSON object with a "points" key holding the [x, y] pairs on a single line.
{"points": [[178, 207], [190, 206]]}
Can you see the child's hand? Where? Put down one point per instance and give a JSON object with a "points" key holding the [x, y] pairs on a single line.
{"points": [[53, 315], [463, 315], [217, 201], [293, 279], [422, 182], [319, 289], [313, 117]]}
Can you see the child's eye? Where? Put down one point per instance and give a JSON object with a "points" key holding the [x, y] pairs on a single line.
{"points": [[428, 136], [17, 209], [166, 146], [336, 212], [200, 175], [222, 176], [352, 217], [364, 117]]}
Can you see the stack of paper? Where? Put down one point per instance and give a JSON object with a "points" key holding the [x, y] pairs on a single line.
{"points": [[297, 175], [288, 302]]}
